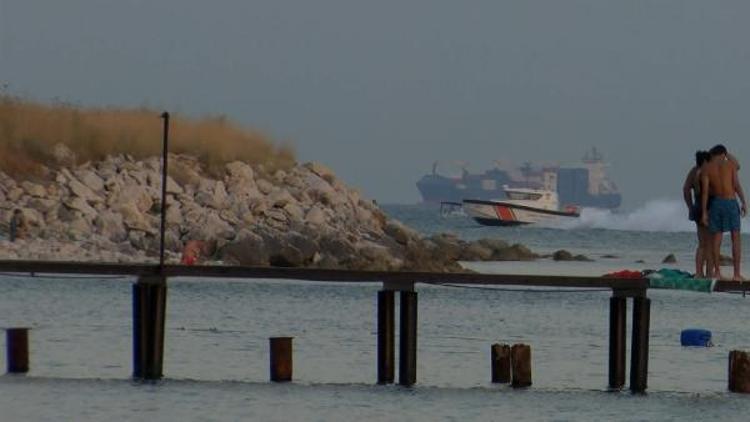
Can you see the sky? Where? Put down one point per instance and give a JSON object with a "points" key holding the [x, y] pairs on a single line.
{"points": [[379, 90]]}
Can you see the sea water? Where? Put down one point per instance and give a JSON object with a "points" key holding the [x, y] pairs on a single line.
{"points": [[216, 356]]}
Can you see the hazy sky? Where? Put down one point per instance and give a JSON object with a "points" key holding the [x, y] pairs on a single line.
{"points": [[379, 90]]}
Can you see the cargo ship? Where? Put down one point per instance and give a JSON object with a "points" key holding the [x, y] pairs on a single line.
{"points": [[581, 185]]}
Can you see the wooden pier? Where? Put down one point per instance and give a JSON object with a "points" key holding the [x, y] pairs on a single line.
{"points": [[150, 299]]}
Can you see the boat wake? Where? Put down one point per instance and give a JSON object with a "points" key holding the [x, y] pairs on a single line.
{"points": [[659, 215]]}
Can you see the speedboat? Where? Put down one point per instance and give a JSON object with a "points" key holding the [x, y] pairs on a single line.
{"points": [[523, 206]]}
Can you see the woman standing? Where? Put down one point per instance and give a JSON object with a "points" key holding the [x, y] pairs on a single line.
{"points": [[691, 192]]}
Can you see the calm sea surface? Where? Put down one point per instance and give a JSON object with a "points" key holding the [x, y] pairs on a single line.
{"points": [[216, 362]]}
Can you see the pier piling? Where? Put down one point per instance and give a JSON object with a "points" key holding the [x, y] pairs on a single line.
{"points": [[617, 332], [281, 359], [386, 336], [149, 312], [739, 371], [17, 348], [520, 357], [500, 360], [407, 371], [639, 346]]}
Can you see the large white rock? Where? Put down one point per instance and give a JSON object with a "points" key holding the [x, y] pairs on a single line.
{"points": [[317, 184], [240, 170], [63, 155], [221, 199], [321, 170], [212, 227], [212, 195], [173, 215], [279, 176], [295, 212], [241, 189], [248, 218], [280, 198], [110, 225], [106, 169], [80, 204], [265, 186], [400, 232], [193, 214], [315, 216], [228, 216], [82, 191], [14, 194], [91, 180], [173, 187], [34, 190], [78, 228], [133, 218], [32, 216], [136, 195], [139, 176], [113, 184]]}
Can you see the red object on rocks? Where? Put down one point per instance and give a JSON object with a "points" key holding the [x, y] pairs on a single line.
{"points": [[192, 251]]}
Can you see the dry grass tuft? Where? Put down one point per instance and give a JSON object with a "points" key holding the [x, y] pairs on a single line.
{"points": [[30, 130]]}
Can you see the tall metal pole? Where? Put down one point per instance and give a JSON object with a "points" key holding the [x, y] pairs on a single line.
{"points": [[164, 153]]}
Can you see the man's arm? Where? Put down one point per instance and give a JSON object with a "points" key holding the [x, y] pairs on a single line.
{"points": [[687, 188], [739, 192], [733, 159]]}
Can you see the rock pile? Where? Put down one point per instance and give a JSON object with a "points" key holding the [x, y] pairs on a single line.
{"points": [[302, 216]]}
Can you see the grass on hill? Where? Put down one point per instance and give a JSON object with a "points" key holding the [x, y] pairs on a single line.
{"points": [[29, 131]]}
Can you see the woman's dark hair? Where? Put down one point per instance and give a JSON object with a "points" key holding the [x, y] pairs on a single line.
{"points": [[702, 157]]}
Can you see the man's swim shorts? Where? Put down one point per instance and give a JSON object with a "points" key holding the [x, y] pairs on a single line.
{"points": [[724, 215]]}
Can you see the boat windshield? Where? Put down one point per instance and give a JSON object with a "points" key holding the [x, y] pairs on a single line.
{"points": [[527, 196]]}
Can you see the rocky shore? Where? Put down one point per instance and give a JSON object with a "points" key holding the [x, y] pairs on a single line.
{"points": [[303, 216]]}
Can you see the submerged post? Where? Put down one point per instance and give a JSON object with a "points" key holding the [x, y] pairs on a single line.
{"points": [[520, 357], [639, 346], [149, 311], [407, 371], [17, 349], [739, 371], [500, 360], [617, 331], [386, 336], [281, 359]]}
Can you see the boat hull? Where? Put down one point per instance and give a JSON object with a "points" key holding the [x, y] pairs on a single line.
{"points": [[499, 213]]}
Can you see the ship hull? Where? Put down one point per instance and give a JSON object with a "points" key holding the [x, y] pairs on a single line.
{"points": [[499, 213]]}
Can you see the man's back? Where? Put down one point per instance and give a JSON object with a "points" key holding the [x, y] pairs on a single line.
{"points": [[720, 172]]}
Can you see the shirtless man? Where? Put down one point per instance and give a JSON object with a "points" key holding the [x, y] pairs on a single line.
{"points": [[719, 181]]}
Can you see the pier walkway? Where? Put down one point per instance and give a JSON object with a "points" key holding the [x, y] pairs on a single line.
{"points": [[150, 292]]}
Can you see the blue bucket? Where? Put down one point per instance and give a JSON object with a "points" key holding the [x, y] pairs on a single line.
{"points": [[696, 337]]}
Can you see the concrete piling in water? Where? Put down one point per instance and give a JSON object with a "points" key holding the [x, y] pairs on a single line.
{"points": [[149, 313], [281, 364], [520, 358], [386, 336], [617, 332], [500, 361], [639, 345], [17, 349], [739, 371], [407, 370]]}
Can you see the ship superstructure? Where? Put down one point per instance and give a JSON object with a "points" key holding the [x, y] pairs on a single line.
{"points": [[582, 185]]}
